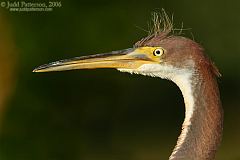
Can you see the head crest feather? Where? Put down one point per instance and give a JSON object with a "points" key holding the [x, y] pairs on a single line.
{"points": [[160, 26]]}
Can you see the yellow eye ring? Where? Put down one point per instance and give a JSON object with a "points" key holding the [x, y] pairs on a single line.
{"points": [[158, 52]]}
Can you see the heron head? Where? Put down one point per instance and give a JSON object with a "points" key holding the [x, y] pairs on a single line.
{"points": [[159, 55]]}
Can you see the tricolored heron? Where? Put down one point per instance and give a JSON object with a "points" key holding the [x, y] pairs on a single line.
{"points": [[181, 60]]}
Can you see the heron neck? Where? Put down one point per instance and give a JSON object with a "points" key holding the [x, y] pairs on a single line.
{"points": [[202, 126]]}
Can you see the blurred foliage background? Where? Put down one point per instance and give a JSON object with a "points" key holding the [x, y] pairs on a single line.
{"points": [[103, 114]]}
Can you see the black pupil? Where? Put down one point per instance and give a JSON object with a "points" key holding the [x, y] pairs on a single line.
{"points": [[157, 52]]}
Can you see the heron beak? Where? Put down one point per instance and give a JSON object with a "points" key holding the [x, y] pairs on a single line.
{"points": [[127, 59]]}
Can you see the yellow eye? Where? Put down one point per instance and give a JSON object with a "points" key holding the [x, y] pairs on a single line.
{"points": [[158, 52]]}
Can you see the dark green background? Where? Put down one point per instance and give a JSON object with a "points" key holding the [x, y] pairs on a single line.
{"points": [[104, 114]]}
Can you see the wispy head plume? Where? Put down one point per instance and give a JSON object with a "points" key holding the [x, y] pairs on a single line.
{"points": [[160, 26], [161, 23]]}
